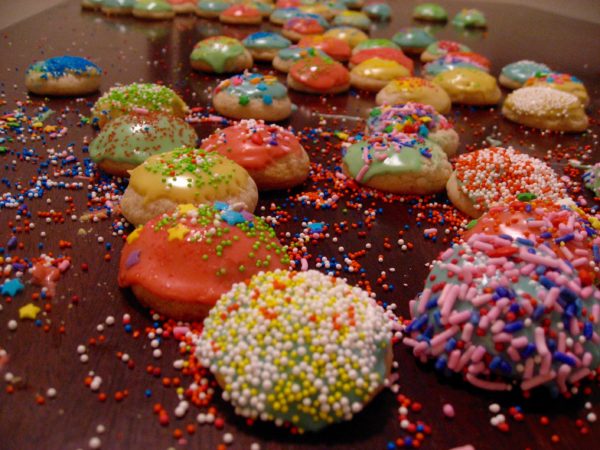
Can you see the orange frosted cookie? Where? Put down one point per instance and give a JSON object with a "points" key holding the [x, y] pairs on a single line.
{"points": [[318, 75]]}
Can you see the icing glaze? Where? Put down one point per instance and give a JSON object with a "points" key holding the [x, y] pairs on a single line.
{"points": [[133, 137], [380, 69], [212, 243], [375, 43], [253, 144], [378, 10], [441, 48], [410, 118], [466, 80], [467, 18], [241, 10], [282, 15], [320, 74], [118, 4], [250, 86], [214, 6], [334, 47], [454, 60], [216, 51], [188, 175], [391, 54], [353, 19], [152, 6], [266, 40], [353, 36], [521, 71], [63, 65], [304, 25], [295, 53], [413, 37], [430, 11]]}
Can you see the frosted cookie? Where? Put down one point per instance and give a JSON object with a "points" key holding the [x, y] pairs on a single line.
{"points": [[137, 96], [413, 89], [163, 260], [185, 175], [545, 108], [183, 6], [353, 19], [316, 349], [63, 75], [287, 57], [506, 313], [442, 48], [378, 10], [390, 54], [469, 18], [127, 141], [495, 175], [336, 48], [264, 45], [241, 14], [514, 75], [91, 5], [279, 16], [318, 75], [272, 155], [117, 7], [430, 12], [455, 60], [399, 163], [354, 4], [298, 27], [562, 82], [210, 9], [591, 176], [413, 40], [469, 86], [252, 96], [375, 73], [321, 9], [220, 54], [263, 7], [414, 118], [353, 36], [153, 9], [369, 44]]}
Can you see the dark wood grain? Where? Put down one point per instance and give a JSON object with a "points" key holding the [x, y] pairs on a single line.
{"points": [[129, 50]]}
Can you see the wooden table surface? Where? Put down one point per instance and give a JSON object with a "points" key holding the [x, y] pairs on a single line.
{"points": [[43, 355]]}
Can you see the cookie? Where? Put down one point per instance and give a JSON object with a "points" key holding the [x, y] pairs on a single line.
{"points": [[442, 48], [413, 40], [336, 48], [287, 57], [63, 76], [264, 45], [375, 73], [353, 36], [413, 89], [220, 54], [562, 82], [469, 86], [514, 75], [318, 75]]}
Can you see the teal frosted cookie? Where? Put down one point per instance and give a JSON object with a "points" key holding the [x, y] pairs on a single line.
{"points": [[153, 9], [469, 18], [264, 45], [63, 75], [431, 12], [379, 11], [279, 16], [514, 75], [252, 96], [220, 54], [314, 349], [413, 40], [210, 9], [286, 57], [117, 7]]}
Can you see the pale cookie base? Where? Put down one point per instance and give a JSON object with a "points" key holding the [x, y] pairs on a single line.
{"points": [[138, 212], [575, 122], [366, 83], [428, 57], [240, 20], [460, 199], [178, 310], [276, 21], [440, 100], [263, 54], [207, 14], [237, 64], [228, 105], [184, 8], [283, 173], [293, 36], [153, 15], [67, 85], [431, 179], [446, 139], [473, 97], [116, 168], [508, 83], [282, 65], [297, 86]]}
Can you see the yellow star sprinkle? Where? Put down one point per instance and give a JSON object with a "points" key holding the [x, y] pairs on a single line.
{"points": [[185, 208], [177, 232], [134, 235], [29, 311]]}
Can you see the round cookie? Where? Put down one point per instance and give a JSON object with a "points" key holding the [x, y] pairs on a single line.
{"points": [[210, 9], [413, 40], [298, 27], [117, 7], [562, 82], [279, 16], [220, 54], [506, 313], [353, 19], [442, 48], [91, 5], [163, 260], [252, 96], [495, 175], [399, 163], [272, 155], [353, 36], [414, 118], [318, 8], [153, 10], [127, 141], [336, 48], [137, 96], [328, 348], [455, 60], [354, 4], [287, 57], [375, 73], [369, 44], [264, 8], [469, 86], [545, 108], [183, 6], [318, 75], [241, 14], [413, 89], [379, 11], [514, 75], [264, 45], [430, 12], [469, 18], [390, 54], [63, 76], [185, 175]]}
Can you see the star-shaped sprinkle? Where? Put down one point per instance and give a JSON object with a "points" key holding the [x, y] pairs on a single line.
{"points": [[12, 287], [134, 235], [178, 232], [29, 311], [186, 208]]}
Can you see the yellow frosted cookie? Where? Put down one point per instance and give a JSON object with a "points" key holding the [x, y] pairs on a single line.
{"points": [[469, 86], [561, 82], [413, 89], [375, 73]]}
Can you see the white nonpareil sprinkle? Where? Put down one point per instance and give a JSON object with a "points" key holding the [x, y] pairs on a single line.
{"points": [[541, 101]]}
